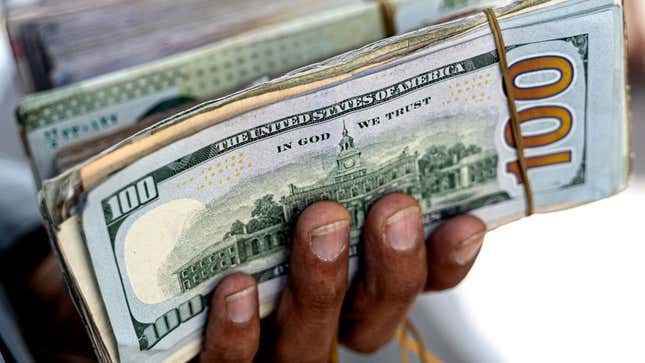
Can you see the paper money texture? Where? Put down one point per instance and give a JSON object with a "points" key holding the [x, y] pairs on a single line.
{"points": [[146, 229]]}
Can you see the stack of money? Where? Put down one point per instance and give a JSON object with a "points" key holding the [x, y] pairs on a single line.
{"points": [[133, 98], [146, 229], [66, 42]]}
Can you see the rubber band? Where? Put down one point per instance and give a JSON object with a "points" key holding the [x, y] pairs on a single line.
{"points": [[405, 345], [333, 355], [388, 10], [413, 345], [512, 108]]}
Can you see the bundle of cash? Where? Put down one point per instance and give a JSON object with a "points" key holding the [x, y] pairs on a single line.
{"points": [[145, 230], [66, 42], [91, 109], [61, 42]]}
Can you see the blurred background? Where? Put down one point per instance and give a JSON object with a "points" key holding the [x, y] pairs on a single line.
{"points": [[559, 287]]}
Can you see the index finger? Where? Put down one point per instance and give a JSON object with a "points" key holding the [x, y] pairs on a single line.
{"points": [[233, 330], [309, 308]]}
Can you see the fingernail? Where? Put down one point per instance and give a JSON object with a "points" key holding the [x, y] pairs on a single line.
{"points": [[467, 249], [327, 242], [402, 228], [241, 306]]}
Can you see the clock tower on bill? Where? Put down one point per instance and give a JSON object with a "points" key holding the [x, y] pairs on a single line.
{"points": [[349, 158]]}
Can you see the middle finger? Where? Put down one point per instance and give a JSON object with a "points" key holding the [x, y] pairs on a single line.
{"points": [[310, 304], [393, 274]]}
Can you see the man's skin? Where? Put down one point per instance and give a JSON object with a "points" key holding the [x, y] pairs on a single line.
{"points": [[397, 265], [636, 38]]}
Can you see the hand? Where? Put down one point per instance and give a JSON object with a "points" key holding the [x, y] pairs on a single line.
{"points": [[636, 37], [50, 325], [397, 265]]}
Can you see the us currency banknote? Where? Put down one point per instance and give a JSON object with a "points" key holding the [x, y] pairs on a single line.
{"points": [[74, 38], [53, 119], [62, 42], [147, 229]]}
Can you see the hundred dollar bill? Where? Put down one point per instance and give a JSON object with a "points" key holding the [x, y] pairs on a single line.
{"points": [[146, 229], [58, 43], [53, 119], [74, 37]]}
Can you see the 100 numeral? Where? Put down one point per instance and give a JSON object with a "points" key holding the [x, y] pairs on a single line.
{"points": [[131, 197]]}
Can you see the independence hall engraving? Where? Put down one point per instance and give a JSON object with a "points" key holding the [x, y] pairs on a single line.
{"points": [[438, 173]]}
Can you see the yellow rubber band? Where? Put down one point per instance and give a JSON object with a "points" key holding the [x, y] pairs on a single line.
{"points": [[333, 355], [388, 10], [512, 108], [414, 345]]}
